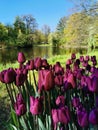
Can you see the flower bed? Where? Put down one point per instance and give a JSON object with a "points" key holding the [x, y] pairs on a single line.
{"points": [[51, 97]]}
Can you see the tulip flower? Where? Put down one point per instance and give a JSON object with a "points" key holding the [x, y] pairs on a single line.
{"points": [[93, 58], [45, 64], [58, 80], [9, 75], [82, 117], [45, 80], [30, 65], [60, 101], [87, 58], [61, 115], [36, 105], [81, 58], [37, 63], [19, 106], [93, 116], [21, 57], [73, 56], [2, 76], [75, 102], [69, 62], [20, 79], [58, 69], [92, 83], [71, 79]]}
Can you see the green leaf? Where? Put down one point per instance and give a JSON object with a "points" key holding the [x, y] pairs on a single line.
{"points": [[14, 118], [41, 124]]}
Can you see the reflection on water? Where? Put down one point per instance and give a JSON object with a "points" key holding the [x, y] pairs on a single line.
{"points": [[10, 55]]}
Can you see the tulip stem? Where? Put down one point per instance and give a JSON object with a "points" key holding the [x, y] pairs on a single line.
{"points": [[10, 95], [34, 80]]}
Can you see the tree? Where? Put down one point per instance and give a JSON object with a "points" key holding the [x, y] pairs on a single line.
{"points": [[30, 22], [61, 24], [76, 31], [19, 25], [3, 34], [46, 32]]}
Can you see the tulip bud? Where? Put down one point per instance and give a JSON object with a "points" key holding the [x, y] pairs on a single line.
{"points": [[36, 105], [9, 75], [21, 57], [82, 116], [93, 116], [19, 106], [46, 80], [60, 101]]}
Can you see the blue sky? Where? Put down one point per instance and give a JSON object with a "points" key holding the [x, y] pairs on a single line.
{"points": [[45, 11]]}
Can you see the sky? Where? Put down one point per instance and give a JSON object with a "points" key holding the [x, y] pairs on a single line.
{"points": [[46, 12]]}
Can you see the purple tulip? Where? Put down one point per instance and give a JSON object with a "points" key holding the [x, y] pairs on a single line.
{"points": [[36, 105], [84, 63], [58, 80], [82, 117], [92, 83], [93, 116], [69, 62], [81, 58], [87, 58], [71, 79], [58, 69], [45, 64], [45, 80], [60, 101], [20, 79], [21, 57], [93, 58], [61, 115], [19, 106], [9, 76], [37, 63], [2, 76], [30, 65], [75, 102], [73, 56]]}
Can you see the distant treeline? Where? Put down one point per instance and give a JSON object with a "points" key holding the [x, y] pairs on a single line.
{"points": [[78, 29]]}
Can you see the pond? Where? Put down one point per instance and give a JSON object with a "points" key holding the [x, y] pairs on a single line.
{"points": [[10, 55]]}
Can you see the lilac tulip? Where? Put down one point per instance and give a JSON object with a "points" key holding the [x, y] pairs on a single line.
{"points": [[75, 102], [21, 57], [36, 105], [92, 83], [19, 106], [93, 116], [45, 80], [82, 117]]}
